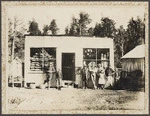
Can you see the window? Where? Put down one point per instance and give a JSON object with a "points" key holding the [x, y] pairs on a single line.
{"points": [[40, 58], [97, 55]]}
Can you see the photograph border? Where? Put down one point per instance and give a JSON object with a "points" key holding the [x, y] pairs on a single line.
{"points": [[4, 48]]}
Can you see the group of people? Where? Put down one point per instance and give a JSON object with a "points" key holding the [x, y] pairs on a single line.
{"points": [[104, 75], [52, 72]]}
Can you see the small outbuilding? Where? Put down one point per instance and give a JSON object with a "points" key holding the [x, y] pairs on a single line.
{"points": [[15, 72], [133, 68], [134, 60]]}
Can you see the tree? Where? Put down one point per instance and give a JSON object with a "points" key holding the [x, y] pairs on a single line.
{"points": [[98, 30], [78, 27], [135, 34], [84, 20], [120, 39], [16, 37], [45, 30], [119, 45], [74, 28], [53, 27], [67, 30], [90, 31], [106, 28], [33, 28]]}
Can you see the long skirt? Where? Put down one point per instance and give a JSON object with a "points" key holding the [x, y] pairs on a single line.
{"points": [[101, 79]]}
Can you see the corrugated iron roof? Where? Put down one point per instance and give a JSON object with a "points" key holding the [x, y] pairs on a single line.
{"points": [[137, 52]]}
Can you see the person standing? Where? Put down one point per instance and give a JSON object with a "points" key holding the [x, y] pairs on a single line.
{"points": [[93, 70], [58, 79], [84, 77], [101, 75], [51, 72], [109, 74]]}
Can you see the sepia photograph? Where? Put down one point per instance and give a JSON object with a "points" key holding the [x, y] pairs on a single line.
{"points": [[75, 57]]}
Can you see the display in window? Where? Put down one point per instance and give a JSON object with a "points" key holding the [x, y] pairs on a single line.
{"points": [[41, 57], [103, 54], [97, 55], [89, 53]]}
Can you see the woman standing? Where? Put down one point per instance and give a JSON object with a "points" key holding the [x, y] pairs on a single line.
{"points": [[93, 70], [101, 75], [51, 73]]}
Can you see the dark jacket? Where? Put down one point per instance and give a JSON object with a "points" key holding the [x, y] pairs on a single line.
{"points": [[83, 72], [109, 71]]}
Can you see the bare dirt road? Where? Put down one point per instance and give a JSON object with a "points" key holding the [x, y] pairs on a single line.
{"points": [[73, 99]]}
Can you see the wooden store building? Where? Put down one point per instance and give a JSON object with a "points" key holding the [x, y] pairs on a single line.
{"points": [[67, 53]]}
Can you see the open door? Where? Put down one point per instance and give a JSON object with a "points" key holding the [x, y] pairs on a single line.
{"points": [[68, 66]]}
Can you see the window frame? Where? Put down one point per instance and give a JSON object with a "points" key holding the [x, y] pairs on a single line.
{"points": [[96, 60], [43, 60]]}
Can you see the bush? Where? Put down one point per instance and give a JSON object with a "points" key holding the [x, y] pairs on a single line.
{"points": [[133, 81], [136, 80]]}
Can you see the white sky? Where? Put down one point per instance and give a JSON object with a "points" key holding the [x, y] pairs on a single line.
{"points": [[63, 14]]}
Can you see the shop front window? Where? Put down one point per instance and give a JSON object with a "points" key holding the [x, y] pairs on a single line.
{"points": [[40, 58], [97, 55]]}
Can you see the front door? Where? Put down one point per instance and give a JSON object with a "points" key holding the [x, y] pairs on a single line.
{"points": [[68, 66]]}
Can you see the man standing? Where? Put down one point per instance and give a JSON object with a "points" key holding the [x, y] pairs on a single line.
{"points": [[109, 74], [84, 77]]}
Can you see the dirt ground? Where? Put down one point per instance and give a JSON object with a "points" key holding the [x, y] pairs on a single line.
{"points": [[74, 99]]}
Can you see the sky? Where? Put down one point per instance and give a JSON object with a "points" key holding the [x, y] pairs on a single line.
{"points": [[43, 15]]}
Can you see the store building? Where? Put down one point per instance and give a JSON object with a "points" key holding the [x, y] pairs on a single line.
{"points": [[67, 53]]}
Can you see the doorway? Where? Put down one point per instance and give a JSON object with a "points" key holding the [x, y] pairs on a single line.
{"points": [[68, 66]]}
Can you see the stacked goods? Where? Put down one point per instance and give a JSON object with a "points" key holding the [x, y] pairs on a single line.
{"points": [[40, 60], [36, 62]]}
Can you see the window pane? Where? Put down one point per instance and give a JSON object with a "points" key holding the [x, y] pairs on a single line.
{"points": [[89, 53], [35, 52], [40, 58], [36, 59], [50, 53], [103, 54]]}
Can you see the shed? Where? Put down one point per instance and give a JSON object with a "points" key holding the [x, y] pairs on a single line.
{"points": [[134, 60], [16, 71]]}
